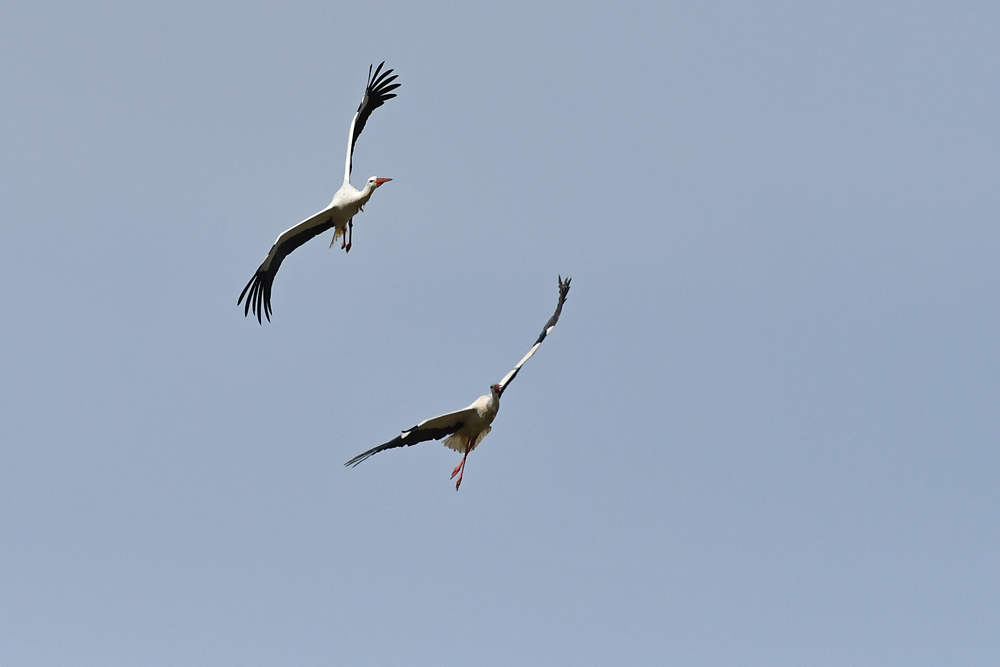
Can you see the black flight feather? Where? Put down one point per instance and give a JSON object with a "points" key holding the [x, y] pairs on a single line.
{"points": [[377, 92], [407, 438], [259, 287]]}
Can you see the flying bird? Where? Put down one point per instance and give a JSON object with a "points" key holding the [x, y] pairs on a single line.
{"points": [[347, 202], [465, 429]]}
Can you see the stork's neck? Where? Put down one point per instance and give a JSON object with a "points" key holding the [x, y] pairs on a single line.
{"points": [[365, 193]]}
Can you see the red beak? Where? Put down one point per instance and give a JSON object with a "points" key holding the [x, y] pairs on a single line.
{"points": [[380, 181]]}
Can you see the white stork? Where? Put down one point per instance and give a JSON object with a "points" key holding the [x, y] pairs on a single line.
{"points": [[339, 214], [465, 429]]}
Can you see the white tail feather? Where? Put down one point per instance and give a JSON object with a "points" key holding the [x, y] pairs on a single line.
{"points": [[458, 440], [337, 233]]}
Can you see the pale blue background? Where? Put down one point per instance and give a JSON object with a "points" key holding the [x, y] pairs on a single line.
{"points": [[764, 432]]}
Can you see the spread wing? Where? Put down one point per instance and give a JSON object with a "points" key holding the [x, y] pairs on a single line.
{"points": [[259, 287], [549, 326], [429, 429], [379, 89]]}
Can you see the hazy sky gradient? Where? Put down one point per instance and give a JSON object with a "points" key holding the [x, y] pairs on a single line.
{"points": [[764, 432]]}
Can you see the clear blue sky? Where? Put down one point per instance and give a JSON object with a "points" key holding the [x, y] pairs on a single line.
{"points": [[764, 432]]}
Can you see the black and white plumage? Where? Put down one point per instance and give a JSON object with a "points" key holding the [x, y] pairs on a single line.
{"points": [[465, 429], [346, 203]]}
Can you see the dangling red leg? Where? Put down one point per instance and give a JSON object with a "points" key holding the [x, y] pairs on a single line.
{"points": [[350, 234], [460, 469], [343, 241]]}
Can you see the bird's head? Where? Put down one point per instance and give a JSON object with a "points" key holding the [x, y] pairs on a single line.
{"points": [[495, 389], [375, 182]]}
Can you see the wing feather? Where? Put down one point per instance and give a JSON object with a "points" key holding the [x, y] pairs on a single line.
{"points": [[379, 89], [429, 429], [258, 290], [546, 330]]}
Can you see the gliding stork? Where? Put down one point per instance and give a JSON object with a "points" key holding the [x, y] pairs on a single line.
{"points": [[347, 202], [465, 429]]}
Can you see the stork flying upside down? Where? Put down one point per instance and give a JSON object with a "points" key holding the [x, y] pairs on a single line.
{"points": [[465, 429], [347, 202]]}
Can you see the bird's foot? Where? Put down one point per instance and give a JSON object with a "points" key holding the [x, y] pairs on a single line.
{"points": [[459, 470], [347, 248]]}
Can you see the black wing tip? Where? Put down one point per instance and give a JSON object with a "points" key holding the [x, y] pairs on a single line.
{"points": [[377, 91], [373, 451], [380, 83], [258, 295], [563, 288], [404, 440], [395, 442], [563, 291], [378, 74], [358, 459]]}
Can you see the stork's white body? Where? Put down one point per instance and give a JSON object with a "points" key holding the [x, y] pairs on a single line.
{"points": [[346, 203], [476, 423]]}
